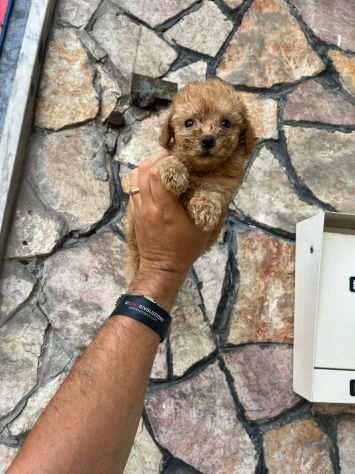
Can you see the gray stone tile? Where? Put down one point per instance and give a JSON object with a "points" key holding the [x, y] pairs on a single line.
{"points": [[268, 48]]}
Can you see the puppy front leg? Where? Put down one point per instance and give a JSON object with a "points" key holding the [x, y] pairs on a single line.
{"points": [[206, 209], [174, 176]]}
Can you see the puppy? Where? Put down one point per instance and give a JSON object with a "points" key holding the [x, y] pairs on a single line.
{"points": [[209, 137]]}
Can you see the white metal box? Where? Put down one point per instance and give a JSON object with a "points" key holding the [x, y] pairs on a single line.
{"points": [[324, 332]]}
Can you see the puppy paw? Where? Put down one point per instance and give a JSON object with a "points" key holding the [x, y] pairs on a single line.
{"points": [[174, 176], [205, 211]]}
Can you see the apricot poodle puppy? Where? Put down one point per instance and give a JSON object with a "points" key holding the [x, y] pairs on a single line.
{"points": [[210, 140]]}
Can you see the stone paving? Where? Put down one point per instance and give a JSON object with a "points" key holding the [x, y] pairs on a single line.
{"points": [[220, 398]]}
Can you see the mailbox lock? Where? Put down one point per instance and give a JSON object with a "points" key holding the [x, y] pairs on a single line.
{"points": [[352, 284], [311, 249], [352, 388]]}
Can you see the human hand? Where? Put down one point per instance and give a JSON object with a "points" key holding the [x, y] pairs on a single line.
{"points": [[167, 239]]}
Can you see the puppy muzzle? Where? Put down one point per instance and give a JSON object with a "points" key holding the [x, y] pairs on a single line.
{"points": [[207, 143]]}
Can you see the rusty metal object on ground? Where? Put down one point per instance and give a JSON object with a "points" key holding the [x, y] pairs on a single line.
{"points": [[147, 90]]}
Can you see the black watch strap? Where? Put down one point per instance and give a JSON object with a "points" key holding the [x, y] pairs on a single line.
{"points": [[144, 310]]}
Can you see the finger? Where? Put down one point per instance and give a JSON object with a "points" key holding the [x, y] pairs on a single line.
{"points": [[129, 181], [140, 180], [158, 156], [134, 199], [133, 179], [153, 160], [126, 183], [131, 209], [144, 199]]}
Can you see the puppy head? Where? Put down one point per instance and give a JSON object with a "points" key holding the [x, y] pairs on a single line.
{"points": [[206, 124]]}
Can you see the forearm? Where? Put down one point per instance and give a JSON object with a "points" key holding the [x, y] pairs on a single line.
{"points": [[90, 424]]}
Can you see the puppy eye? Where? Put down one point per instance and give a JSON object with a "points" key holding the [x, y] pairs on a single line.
{"points": [[226, 124], [189, 123]]}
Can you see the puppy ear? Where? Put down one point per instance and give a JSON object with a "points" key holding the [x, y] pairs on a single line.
{"points": [[167, 137], [248, 139]]}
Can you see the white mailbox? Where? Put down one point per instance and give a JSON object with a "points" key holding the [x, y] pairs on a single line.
{"points": [[324, 334]]}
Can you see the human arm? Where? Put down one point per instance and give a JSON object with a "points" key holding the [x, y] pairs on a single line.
{"points": [[89, 426]]}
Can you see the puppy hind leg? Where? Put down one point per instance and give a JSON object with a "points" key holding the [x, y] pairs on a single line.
{"points": [[206, 209]]}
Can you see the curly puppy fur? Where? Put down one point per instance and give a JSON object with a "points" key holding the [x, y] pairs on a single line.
{"points": [[210, 140]]}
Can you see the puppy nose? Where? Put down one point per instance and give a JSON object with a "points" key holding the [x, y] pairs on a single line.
{"points": [[207, 142]]}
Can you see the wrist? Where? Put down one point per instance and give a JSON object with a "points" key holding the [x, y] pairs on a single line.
{"points": [[162, 286]]}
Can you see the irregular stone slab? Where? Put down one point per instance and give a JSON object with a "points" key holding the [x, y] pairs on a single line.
{"points": [[94, 270], [68, 171], [154, 12], [160, 366], [193, 72], [333, 408], [297, 447], [211, 270], [268, 48], [325, 161], [263, 379], [190, 336], [176, 466], [145, 455], [21, 341], [154, 56], [35, 406], [267, 196], [7, 455], [142, 140], [264, 308], [345, 65], [233, 3], [132, 46], [346, 445], [314, 103], [132, 114], [110, 92], [76, 12], [262, 114], [66, 92], [110, 141], [203, 30], [55, 358], [35, 230], [92, 46], [16, 285], [201, 408], [330, 21]]}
